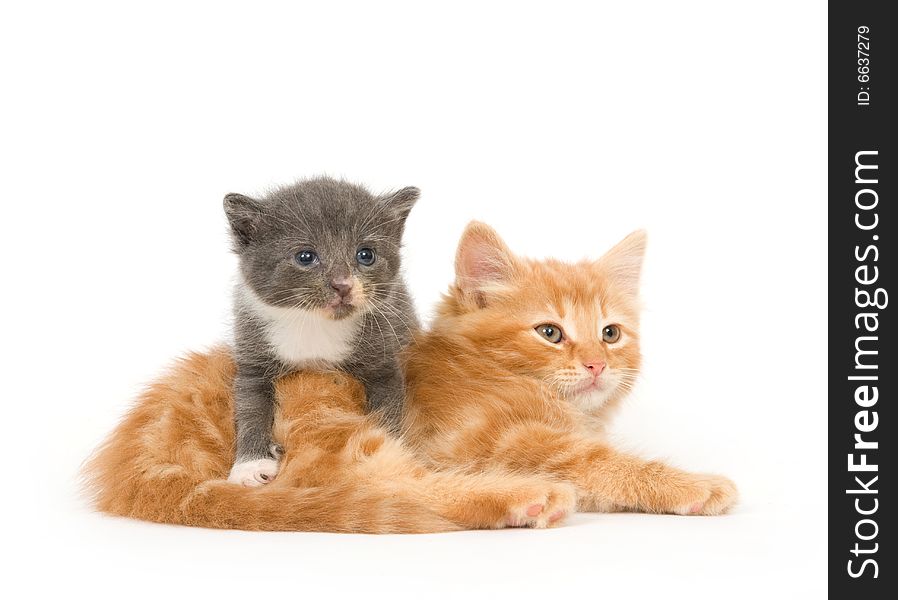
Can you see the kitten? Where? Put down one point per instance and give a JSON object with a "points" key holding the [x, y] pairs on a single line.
{"points": [[526, 362], [320, 287], [508, 395]]}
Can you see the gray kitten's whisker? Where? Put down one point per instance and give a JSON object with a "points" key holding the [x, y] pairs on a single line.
{"points": [[395, 313], [380, 330], [393, 329]]}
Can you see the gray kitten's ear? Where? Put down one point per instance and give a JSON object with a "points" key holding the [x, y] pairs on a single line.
{"points": [[244, 215], [401, 202]]}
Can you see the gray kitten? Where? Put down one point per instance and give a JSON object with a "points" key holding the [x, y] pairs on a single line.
{"points": [[320, 287]]}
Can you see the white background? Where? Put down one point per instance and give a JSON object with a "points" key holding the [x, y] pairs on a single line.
{"points": [[563, 125]]}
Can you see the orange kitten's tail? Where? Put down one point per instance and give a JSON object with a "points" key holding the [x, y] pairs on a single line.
{"points": [[336, 508], [166, 460], [340, 507]]}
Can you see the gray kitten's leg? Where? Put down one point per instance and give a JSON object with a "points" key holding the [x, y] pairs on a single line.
{"points": [[257, 457], [386, 396]]}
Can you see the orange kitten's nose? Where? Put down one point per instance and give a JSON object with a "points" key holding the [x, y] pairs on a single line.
{"points": [[595, 368]]}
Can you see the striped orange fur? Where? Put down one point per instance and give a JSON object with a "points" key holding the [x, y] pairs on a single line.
{"points": [[168, 459], [486, 392]]}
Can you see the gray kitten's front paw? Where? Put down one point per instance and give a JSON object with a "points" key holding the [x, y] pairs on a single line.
{"points": [[254, 473]]}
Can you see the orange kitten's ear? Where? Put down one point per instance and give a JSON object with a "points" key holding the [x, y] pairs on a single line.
{"points": [[483, 263], [623, 263]]}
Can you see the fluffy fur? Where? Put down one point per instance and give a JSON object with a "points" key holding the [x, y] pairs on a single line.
{"points": [[487, 391], [342, 471], [503, 428]]}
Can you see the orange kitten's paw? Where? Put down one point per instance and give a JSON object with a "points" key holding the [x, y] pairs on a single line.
{"points": [[546, 507], [277, 451], [254, 473], [714, 496]]}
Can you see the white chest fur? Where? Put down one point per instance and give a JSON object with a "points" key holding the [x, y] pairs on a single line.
{"points": [[300, 337]]}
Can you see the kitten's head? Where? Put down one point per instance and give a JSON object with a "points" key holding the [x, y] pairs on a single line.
{"points": [[574, 326], [320, 244]]}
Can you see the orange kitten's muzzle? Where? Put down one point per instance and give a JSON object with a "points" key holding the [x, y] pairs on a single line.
{"points": [[595, 367]]}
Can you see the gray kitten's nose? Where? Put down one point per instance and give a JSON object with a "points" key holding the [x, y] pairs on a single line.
{"points": [[341, 285]]}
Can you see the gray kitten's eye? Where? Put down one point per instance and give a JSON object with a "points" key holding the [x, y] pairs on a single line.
{"points": [[611, 334], [551, 332], [306, 258], [365, 256]]}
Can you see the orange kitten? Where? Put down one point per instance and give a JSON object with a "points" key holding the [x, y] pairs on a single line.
{"points": [[525, 361], [507, 399], [168, 459]]}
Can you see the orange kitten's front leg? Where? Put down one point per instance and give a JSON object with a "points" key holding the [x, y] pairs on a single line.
{"points": [[607, 479]]}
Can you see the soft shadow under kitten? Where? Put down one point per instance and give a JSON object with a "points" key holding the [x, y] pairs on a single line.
{"points": [[320, 287]]}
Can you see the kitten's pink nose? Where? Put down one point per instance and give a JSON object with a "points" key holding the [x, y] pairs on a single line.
{"points": [[341, 285], [595, 367]]}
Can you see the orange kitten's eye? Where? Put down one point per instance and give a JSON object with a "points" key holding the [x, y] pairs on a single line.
{"points": [[611, 334], [551, 332]]}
